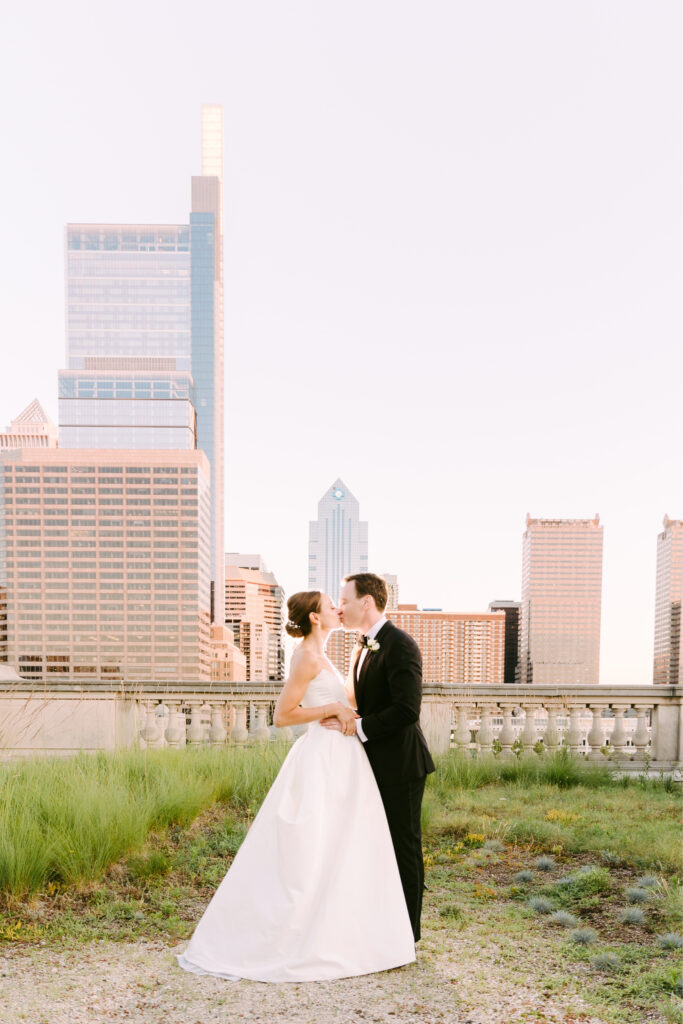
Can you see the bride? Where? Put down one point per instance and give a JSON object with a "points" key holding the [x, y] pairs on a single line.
{"points": [[314, 891]]}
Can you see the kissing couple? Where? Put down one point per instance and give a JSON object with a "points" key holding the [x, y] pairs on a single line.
{"points": [[328, 881]]}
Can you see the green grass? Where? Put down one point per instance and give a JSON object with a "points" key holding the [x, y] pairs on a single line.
{"points": [[66, 821], [132, 846]]}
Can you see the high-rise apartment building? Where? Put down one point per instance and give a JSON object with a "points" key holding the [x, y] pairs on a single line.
{"points": [[338, 541], [32, 428], [253, 610], [668, 658], [561, 601], [457, 649], [144, 335], [511, 611], [105, 564]]}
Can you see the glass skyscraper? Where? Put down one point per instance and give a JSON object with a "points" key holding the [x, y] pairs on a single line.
{"points": [[338, 541], [144, 335]]}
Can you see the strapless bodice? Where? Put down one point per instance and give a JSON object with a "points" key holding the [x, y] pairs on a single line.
{"points": [[325, 688]]}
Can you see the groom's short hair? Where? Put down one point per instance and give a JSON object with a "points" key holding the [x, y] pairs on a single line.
{"points": [[367, 583]]}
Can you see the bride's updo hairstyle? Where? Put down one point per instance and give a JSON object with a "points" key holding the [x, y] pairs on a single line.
{"points": [[299, 608]]}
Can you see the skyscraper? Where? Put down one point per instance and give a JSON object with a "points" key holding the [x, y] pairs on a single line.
{"points": [[338, 541], [144, 335], [391, 580], [511, 610], [668, 659], [253, 610], [561, 601], [32, 428], [104, 564]]}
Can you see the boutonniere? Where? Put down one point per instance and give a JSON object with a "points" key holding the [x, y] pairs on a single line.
{"points": [[369, 645]]}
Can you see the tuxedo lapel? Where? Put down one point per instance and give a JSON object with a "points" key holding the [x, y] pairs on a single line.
{"points": [[365, 667]]}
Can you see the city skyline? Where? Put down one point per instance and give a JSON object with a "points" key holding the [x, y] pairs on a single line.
{"points": [[460, 293]]}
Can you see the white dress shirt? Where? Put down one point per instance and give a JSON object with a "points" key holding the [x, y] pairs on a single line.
{"points": [[371, 634]]}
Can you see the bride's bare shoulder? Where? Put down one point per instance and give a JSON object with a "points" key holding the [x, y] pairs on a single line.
{"points": [[305, 660]]}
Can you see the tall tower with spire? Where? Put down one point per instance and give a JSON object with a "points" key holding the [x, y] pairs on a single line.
{"points": [[144, 336], [206, 247], [338, 541]]}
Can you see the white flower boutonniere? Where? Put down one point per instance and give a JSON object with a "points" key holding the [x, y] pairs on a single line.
{"points": [[370, 645]]}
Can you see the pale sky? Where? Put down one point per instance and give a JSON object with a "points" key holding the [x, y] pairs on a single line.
{"points": [[452, 262]]}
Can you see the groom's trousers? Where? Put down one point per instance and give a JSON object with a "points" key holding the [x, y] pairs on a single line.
{"points": [[403, 807]]}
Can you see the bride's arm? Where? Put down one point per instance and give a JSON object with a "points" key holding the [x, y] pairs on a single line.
{"points": [[287, 711], [351, 690]]}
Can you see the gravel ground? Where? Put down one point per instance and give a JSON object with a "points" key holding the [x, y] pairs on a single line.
{"points": [[140, 982]]}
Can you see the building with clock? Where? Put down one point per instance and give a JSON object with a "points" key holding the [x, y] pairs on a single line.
{"points": [[338, 541]]}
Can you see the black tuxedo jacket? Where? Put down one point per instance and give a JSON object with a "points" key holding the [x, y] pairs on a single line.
{"points": [[389, 695]]}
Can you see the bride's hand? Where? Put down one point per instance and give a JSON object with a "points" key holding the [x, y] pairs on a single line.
{"points": [[344, 715]]}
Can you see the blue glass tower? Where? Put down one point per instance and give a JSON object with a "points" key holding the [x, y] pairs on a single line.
{"points": [[144, 336]]}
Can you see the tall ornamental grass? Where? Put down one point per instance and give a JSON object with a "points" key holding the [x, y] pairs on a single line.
{"points": [[66, 821]]}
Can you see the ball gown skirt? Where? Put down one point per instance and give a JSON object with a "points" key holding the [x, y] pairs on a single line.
{"points": [[314, 891]]}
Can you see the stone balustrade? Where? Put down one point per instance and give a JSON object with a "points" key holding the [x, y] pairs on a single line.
{"points": [[629, 724], [632, 725]]}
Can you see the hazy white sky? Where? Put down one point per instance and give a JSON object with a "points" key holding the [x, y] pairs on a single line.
{"points": [[452, 259]]}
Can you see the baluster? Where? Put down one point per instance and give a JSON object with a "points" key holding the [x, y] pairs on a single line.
{"points": [[596, 734], [574, 730], [485, 733], [239, 732], [175, 730], [195, 732], [261, 731], [462, 731], [619, 735], [149, 732], [218, 734], [551, 736], [528, 735], [506, 736], [641, 736]]}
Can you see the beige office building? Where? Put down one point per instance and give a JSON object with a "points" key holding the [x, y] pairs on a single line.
{"points": [[105, 564], [228, 664], [253, 610], [457, 649], [561, 601], [668, 660]]}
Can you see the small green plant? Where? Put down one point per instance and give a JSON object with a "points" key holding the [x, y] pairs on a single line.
{"points": [[155, 863], [671, 940], [583, 936], [522, 877], [545, 863], [610, 859], [494, 845], [648, 881], [450, 911], [637, 895], [563, 918], [606, 962], [670, 980], [632, 915], [540, 905]]}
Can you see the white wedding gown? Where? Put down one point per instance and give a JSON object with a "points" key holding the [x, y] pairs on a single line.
{"points": [[314, 891]]}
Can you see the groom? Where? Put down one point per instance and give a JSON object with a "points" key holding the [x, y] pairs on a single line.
{"points": [[387, 680]]}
